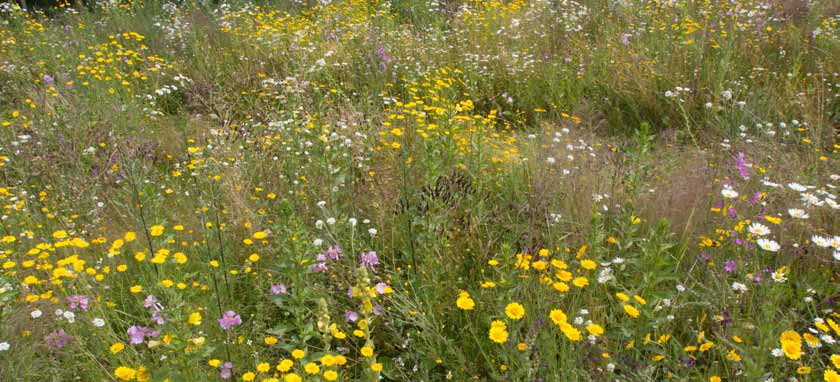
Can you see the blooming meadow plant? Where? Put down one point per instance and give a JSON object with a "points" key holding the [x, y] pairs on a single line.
{"points": [[420, 191]]}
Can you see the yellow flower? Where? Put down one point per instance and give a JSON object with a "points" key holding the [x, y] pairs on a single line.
{"points": [[248, 377], [263, 367], [327, 360], [714, 378], [792, 350], [330, 375], [733, 356], [292, 377], [61, 234], [631, 310], [377, 367], [557, 316], [831, 376], [580, 282], [498, 332], [588, 264], [311, 368], [367, 351], [156, 230], [117, 347], [595, 329], [802, 370], [259, 235], [270, 341], [298, 354], [194, 319], [572, 333], [465, 302], [515, 311], [285, 365], [835, 360], [136, 289], [125, 373]]}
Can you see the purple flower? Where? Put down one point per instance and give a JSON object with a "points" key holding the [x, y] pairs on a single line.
{"points": [[369, 260], [138, 334], [705, 255], [57, 339], [380, 287], [150, 302], [157, 317], [755, 198], [333, 252], [321, 257], [78, 301], [351, 316], [48, 79], [229, 320], [729, 266], [319, 267], [625, 39], [741, 165], [226, 373], [278, 289], [378, 310]]}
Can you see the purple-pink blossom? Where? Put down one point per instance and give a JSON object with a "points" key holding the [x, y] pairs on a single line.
{"points": [[79, 301], [369, 260], [279, 289], [229, 320], [57, 339]]}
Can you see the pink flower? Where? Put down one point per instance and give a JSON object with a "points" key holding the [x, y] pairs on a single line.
{"points": [[78, 301], [229, 320]]}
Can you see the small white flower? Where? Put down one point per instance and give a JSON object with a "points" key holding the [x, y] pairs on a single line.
{"points": [[69, 316], [797, 187], [797, 213], [758, 229], [729, 193], [321, 204], [777, 352], [98, 322], [779, 277], [36, 313], [738, 287], [317, 242], [4, 346], [768, 245], [372, 232], [352, 221], [821, 241], [319, 224], [680, 288]]}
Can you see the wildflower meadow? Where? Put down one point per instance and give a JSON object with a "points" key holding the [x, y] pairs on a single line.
{"points": [[420, 190]]}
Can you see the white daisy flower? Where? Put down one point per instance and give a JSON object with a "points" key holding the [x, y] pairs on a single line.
{"points": [[729, 193], [798, 213], [768, 245], [797, 187], [759, 229], [821, 241], [738, 287]]}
